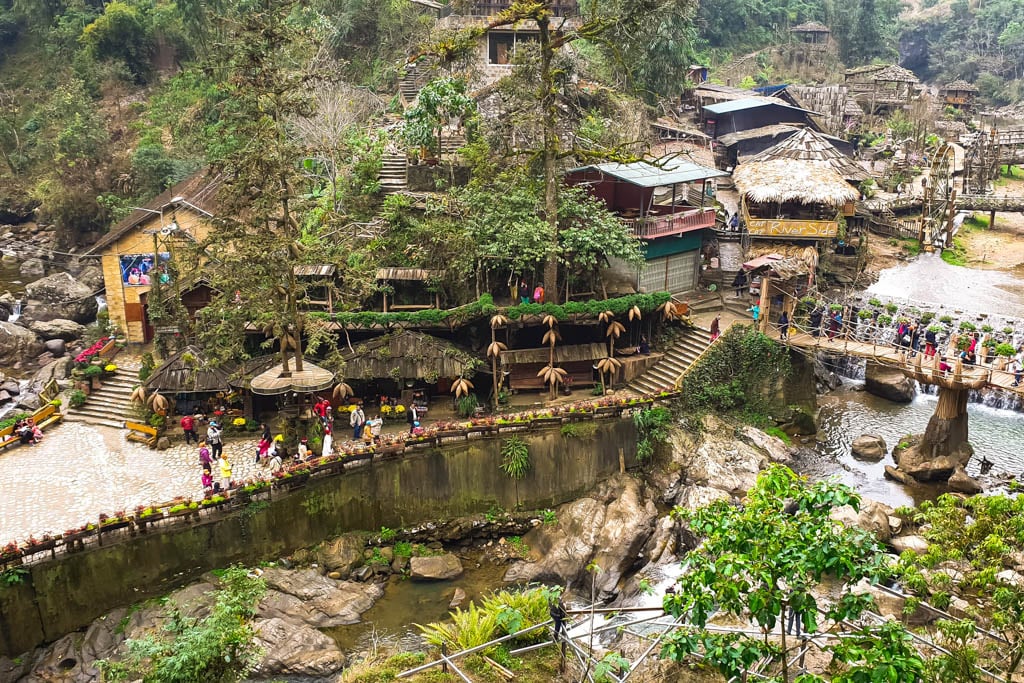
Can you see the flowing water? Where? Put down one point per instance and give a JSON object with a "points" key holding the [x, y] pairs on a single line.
{"points": [[930, 280], [11, 279]]}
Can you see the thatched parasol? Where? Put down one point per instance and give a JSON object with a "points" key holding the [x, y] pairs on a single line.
{"points": [[809, 146], [787, 180], [274, 380]]}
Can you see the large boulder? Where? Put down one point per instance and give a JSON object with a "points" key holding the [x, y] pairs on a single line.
{"points": [[913, 542], [306, 597], [58, 328], [869, 447], [32, 267], [17, 344], [60, 296], [873, 516], [724, 463], [55, 347], [914, 461], [889, 383], [961, 482], [609, 527], [91, 277], [295, 649], [889, 605], [435, 567], [342, 554]]}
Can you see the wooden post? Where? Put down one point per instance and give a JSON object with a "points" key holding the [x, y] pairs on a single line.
{"points": [[764, 304], [950, 213], [622, 461], [991, 219]]}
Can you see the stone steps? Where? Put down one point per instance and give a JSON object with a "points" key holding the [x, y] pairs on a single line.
{"points": [[110, 405], [676, 359]]}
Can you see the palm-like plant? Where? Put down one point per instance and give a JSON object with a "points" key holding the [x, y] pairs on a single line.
{"points": [[461, 387], [668, 311], [494, 352], [342, 390], [607, 366], [552, 375], [138, 395], [158, 404]]}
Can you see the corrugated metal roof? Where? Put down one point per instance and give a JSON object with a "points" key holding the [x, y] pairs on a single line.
{"points": [[750, 103], [314, 271], [644, 174], [407, 274]]}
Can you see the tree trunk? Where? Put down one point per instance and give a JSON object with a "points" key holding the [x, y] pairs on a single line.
{"points": [[550, 155], [946, 432]]}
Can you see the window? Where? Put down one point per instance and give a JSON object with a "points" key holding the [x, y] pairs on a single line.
{"points": [[501, 45]]}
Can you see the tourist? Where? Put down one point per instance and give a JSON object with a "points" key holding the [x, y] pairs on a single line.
{"points": [[225, 473], [558, 613], [739, 283], [417, 430], [263, 448], [755, 311], [538, 293], [320, 409], [524, 292], [734, 222], [835, 322], [24, 431], [357, 419], [303, 451], [930, 343], [784, 325], [204, 455], [276, 464], [37, 433], [188, 425], [716, 327], [915, 339], [1018, 366], [644, 349], [983, 348], [207, 479], [214, 435], [815, 321], [328, 443], [412, 416], [374, 427], [265, 432]]}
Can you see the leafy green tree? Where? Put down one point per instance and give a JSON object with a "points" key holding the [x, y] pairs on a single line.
{"points": [[764, 558], [219, 648], [438, 102], [122, 32]]}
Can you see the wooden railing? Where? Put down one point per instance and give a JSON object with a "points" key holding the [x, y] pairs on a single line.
{"points": [[652, 227], [559, 8]]}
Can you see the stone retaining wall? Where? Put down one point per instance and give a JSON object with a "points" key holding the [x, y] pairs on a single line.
{"points": [[65, 593]]}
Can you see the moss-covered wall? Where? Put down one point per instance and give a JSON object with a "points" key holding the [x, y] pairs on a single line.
{"points": [[65, 594]]}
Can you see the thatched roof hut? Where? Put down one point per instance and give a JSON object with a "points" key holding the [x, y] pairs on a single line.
{"points": [[959, 85], [188, 372], [411, 355], [787, 180], [810, 27], [809, 146], [895, 73]]}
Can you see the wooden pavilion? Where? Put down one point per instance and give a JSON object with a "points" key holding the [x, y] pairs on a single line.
{"points": [[959, 94], [798, 189], [522, 365], [189, 377], [812, 33]]}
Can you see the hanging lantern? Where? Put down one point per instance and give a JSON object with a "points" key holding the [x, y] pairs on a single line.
{"points": [[461, 387], [342, 391], [495, 348]]}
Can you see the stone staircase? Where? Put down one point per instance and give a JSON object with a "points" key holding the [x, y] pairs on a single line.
{"points": [[409, 86], [393, 176], [676, 359], [110, 405]]}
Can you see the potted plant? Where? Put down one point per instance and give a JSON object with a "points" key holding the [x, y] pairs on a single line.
{"points": [[183, 509], [40, 545], [10, 552], [92, 374], [118, 520], [145, 515]]}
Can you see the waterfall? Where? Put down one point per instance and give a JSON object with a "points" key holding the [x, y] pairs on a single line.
{"points": [[16, 312], [847, 367], [990, 398]]}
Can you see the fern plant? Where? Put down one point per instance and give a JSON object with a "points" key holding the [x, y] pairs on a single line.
{"points": [[515, 461]]}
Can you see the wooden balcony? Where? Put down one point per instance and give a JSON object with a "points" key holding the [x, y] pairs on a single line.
{"points": [[653, 227]]}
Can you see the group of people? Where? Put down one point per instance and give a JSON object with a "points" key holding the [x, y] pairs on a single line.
{"points": [[28, 432], [524, 293]]}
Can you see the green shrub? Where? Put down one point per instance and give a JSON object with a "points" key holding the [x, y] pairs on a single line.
{"points": [[891, 307], [986, 328], [946, 319], [1005, 350], [884, 320], [865, 314], [967, 327], [92, 371], [835, 307], [77, 398], [467, 405], [13, 419], [874, 301], [927, 317], [147, 366], [935, 328], [1007, 330], [778, 433]]}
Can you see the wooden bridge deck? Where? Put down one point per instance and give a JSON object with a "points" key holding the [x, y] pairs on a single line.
{"points": [[889, 356]]}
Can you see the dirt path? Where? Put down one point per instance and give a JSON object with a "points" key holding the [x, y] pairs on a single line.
{"points": [[1001, 248]]}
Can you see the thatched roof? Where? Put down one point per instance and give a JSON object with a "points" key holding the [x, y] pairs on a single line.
{"points": [[563, 354], [810, 27], [274, 381], [410, 355], [959, 86], [895, 74], [810, 146], [788, 180], [420, 274], [188, 372]]}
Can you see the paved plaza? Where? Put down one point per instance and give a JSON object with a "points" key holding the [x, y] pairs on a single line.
{"points": [[79, 471]]}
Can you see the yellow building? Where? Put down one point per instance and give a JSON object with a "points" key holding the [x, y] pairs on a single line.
{"points": [[139, 250]]}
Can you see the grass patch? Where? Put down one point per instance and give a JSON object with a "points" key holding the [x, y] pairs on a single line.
{"points": [[911, 246], [976, 222], [957, 256], [777, 432]]}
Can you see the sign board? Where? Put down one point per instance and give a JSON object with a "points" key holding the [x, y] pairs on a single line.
{"points": [[796, 229]]}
